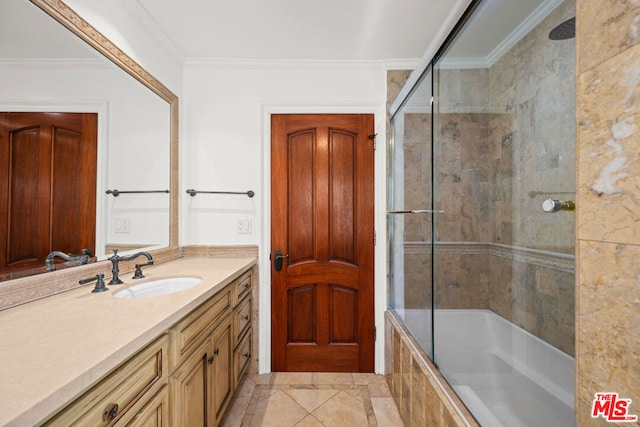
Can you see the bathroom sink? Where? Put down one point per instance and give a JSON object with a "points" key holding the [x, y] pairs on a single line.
{"points": [[158, 287]]}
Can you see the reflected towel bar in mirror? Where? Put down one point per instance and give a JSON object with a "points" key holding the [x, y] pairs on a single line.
{"points": [[116, 193], [414, 211], [193, 192]]}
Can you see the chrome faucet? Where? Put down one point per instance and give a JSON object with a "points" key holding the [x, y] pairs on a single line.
{"points": [[115, 269], [83, 258]]}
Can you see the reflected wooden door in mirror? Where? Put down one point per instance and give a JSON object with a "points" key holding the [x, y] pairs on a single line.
{"points": [[47, 188]]}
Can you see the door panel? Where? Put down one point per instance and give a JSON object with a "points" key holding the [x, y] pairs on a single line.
{"points": [[27, 216], [322, 220], [301, 208], [342, 196], [47, 186]]}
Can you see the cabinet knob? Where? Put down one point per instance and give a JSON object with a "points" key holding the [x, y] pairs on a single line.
{"points": [[210, 360], [216, 352], [110, 413], [246, 355], [246, 317]]}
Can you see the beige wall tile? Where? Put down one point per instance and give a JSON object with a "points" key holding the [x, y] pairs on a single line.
{"points": [[605, 28], [609, 318], [608, 150]]}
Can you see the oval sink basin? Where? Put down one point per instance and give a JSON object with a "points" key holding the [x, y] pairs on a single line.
{"points": [[158, 287]]}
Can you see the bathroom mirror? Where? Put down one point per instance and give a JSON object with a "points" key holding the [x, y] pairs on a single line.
{"points": [[65, 65]]}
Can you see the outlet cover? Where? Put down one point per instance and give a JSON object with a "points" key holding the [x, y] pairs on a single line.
{"points": [[243, 226]]}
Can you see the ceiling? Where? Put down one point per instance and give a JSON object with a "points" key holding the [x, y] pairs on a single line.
{"points": [[299, 29], [351, 30]]}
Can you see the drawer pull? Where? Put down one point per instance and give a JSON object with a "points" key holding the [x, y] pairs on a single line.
{"points": [[110, 413]]}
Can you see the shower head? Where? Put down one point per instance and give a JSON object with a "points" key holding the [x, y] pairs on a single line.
{"points": [[564, 31]]}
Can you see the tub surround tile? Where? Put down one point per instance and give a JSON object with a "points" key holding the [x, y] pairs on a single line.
{"points": [[609, 128], [426, 400]]}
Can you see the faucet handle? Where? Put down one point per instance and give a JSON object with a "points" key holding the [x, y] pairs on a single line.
{"points": [[100, 286], [138, 273]]}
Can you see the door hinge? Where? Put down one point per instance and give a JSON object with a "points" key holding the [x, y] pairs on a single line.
{"points": [[373, 138], [375, 237], [375, 334]]}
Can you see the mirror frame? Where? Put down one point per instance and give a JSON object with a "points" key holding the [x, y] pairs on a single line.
{"points": [[66, 16], [24, 290]]}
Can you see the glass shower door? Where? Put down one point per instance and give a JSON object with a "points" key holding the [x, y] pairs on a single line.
{"points": [[504, 143], [410, 214]]}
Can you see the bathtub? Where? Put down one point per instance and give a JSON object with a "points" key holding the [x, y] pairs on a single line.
{"points": [[504, 375]]}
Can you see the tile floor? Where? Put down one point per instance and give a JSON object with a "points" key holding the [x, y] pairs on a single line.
{"points": [[313, 399]]}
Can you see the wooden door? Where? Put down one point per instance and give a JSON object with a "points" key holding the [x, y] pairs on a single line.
{"points": [[322, 222], [47, 186]]}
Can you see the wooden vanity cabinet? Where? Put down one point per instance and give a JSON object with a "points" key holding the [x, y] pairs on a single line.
{"points": [[242, 317], [201, 387], [186, 377], [131, 385], [154, 413]]}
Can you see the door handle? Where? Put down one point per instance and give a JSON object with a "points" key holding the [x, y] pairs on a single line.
{"points": [[277, 260]]}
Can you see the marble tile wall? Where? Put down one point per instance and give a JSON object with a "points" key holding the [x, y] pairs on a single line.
{"points": [[608, 229], [532, 94]]}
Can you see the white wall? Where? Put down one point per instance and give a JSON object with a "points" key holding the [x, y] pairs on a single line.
{"points": [[225, 147]]}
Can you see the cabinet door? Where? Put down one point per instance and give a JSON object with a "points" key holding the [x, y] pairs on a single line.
{"points": [[154, 414], [222, 377], [191, 389]]}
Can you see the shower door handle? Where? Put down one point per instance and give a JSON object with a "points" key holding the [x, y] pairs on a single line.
{"points": [[277, 260]]}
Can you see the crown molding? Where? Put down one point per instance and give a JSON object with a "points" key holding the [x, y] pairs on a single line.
{"points": [[299, 64], [506, 44], [139, 13], [532, 21]]}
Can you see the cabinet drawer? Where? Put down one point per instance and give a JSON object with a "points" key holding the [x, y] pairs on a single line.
{"points": [[242, 287], [241, 358], [241, 320], [136, 380], [191, 330], [154, 413]]}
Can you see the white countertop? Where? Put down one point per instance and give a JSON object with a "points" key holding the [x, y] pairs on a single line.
{"points": [[55, 349]]}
